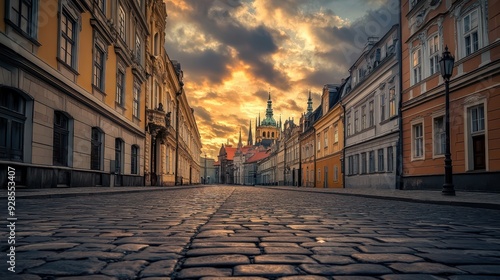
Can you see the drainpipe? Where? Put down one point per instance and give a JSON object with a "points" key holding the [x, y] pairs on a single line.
{"points": [[399, 147], [343, 148]]}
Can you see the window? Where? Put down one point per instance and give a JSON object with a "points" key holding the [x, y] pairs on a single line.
{"points": [[439, 136], [371, 114], [67, 43], [350, 164], [156, 43], [61, 139], [356, 122], [418, 140], [136, 102], [477, 119], [470, 32], [356, 164], [99, 68], [363, 163], [371, 161], [363, 117], [390, 159], [12, 120], [336, 133], [96, 151], [392, 102], [121, 23], [348, 124], [325, 136], [120, 86], [476, 138], [380, 153], [433, 44], [416, 57], [23, 16], [118, 155], [138, 48], [319, 141], [382, 107], [134, 159]]}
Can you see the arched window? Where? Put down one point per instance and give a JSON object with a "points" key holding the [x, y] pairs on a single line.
{"points": [[12, 120]]}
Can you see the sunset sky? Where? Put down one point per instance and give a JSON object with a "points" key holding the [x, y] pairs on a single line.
{"points": [[233, 52]]}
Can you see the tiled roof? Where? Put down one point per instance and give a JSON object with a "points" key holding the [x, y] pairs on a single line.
{"points": [[257, 156]]}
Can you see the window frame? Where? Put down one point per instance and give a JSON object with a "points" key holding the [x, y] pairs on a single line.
{"points": [[438, 136], [414, 140], [134, 159], [31, 30], [416, 66], [136, 108], [434, 54], [96, 151]]}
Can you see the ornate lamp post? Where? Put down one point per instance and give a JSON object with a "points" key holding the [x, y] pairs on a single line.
{"points": [[446, 63], [205, 178]]}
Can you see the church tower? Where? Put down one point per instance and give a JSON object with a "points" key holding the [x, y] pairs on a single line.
{"points": [[268, 130], [250, 137]]}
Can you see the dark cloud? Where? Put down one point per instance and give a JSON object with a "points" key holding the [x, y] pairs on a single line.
{"points": [[202, 113], [291, 105]]}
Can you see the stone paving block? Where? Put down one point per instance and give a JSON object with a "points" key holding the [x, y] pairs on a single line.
{"points": [[333, 259], [198, 272], [354, 278], [12, 276], [31, 255], [327, 244], [294, 239], [278, 244], [223, 250], [214, 233], [472, 277], [153, 240], [350, 269], [159, 269], [385, 249], [411, 277], [93, 247], [425, 268], [283, 259], [26, 264], [156, 253], [202, 244], [49, 246], [287, 250], [384, 258], [129, 248], [76, 255], [347, 251], [481, 269], [265, 270], [452, 258], [249, 239], [233, 278], [88, 277], [303, 277], [217, 260], [124, 269], [69, 267]]}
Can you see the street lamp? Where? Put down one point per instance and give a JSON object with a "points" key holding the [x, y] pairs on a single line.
{"points": [[446, 65], [205, 178]]}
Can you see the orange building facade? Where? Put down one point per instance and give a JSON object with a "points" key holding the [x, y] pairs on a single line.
{"points": [[471, 31]]}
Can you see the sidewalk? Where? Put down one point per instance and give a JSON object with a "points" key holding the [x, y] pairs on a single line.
{"points": [[470, 199], [462, 198]]}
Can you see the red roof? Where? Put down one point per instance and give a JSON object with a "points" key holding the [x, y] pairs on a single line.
{"points": [[230, 152], [257, 156]]}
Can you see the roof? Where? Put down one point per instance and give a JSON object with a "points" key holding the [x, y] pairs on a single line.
{"points": [[257, 156]]}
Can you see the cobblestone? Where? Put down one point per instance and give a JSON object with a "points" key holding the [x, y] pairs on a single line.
{"points": [[236, 232]]}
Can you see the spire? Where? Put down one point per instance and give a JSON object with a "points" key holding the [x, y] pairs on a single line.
{"points": [[309, 104], [269, 120], [239, 142], [250, 142]]}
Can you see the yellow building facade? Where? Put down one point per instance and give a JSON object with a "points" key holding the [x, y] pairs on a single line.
{"points": [[74, 79], [329, 140]]}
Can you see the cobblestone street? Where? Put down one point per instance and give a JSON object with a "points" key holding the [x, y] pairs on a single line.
{"points": [[250, 233]]}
